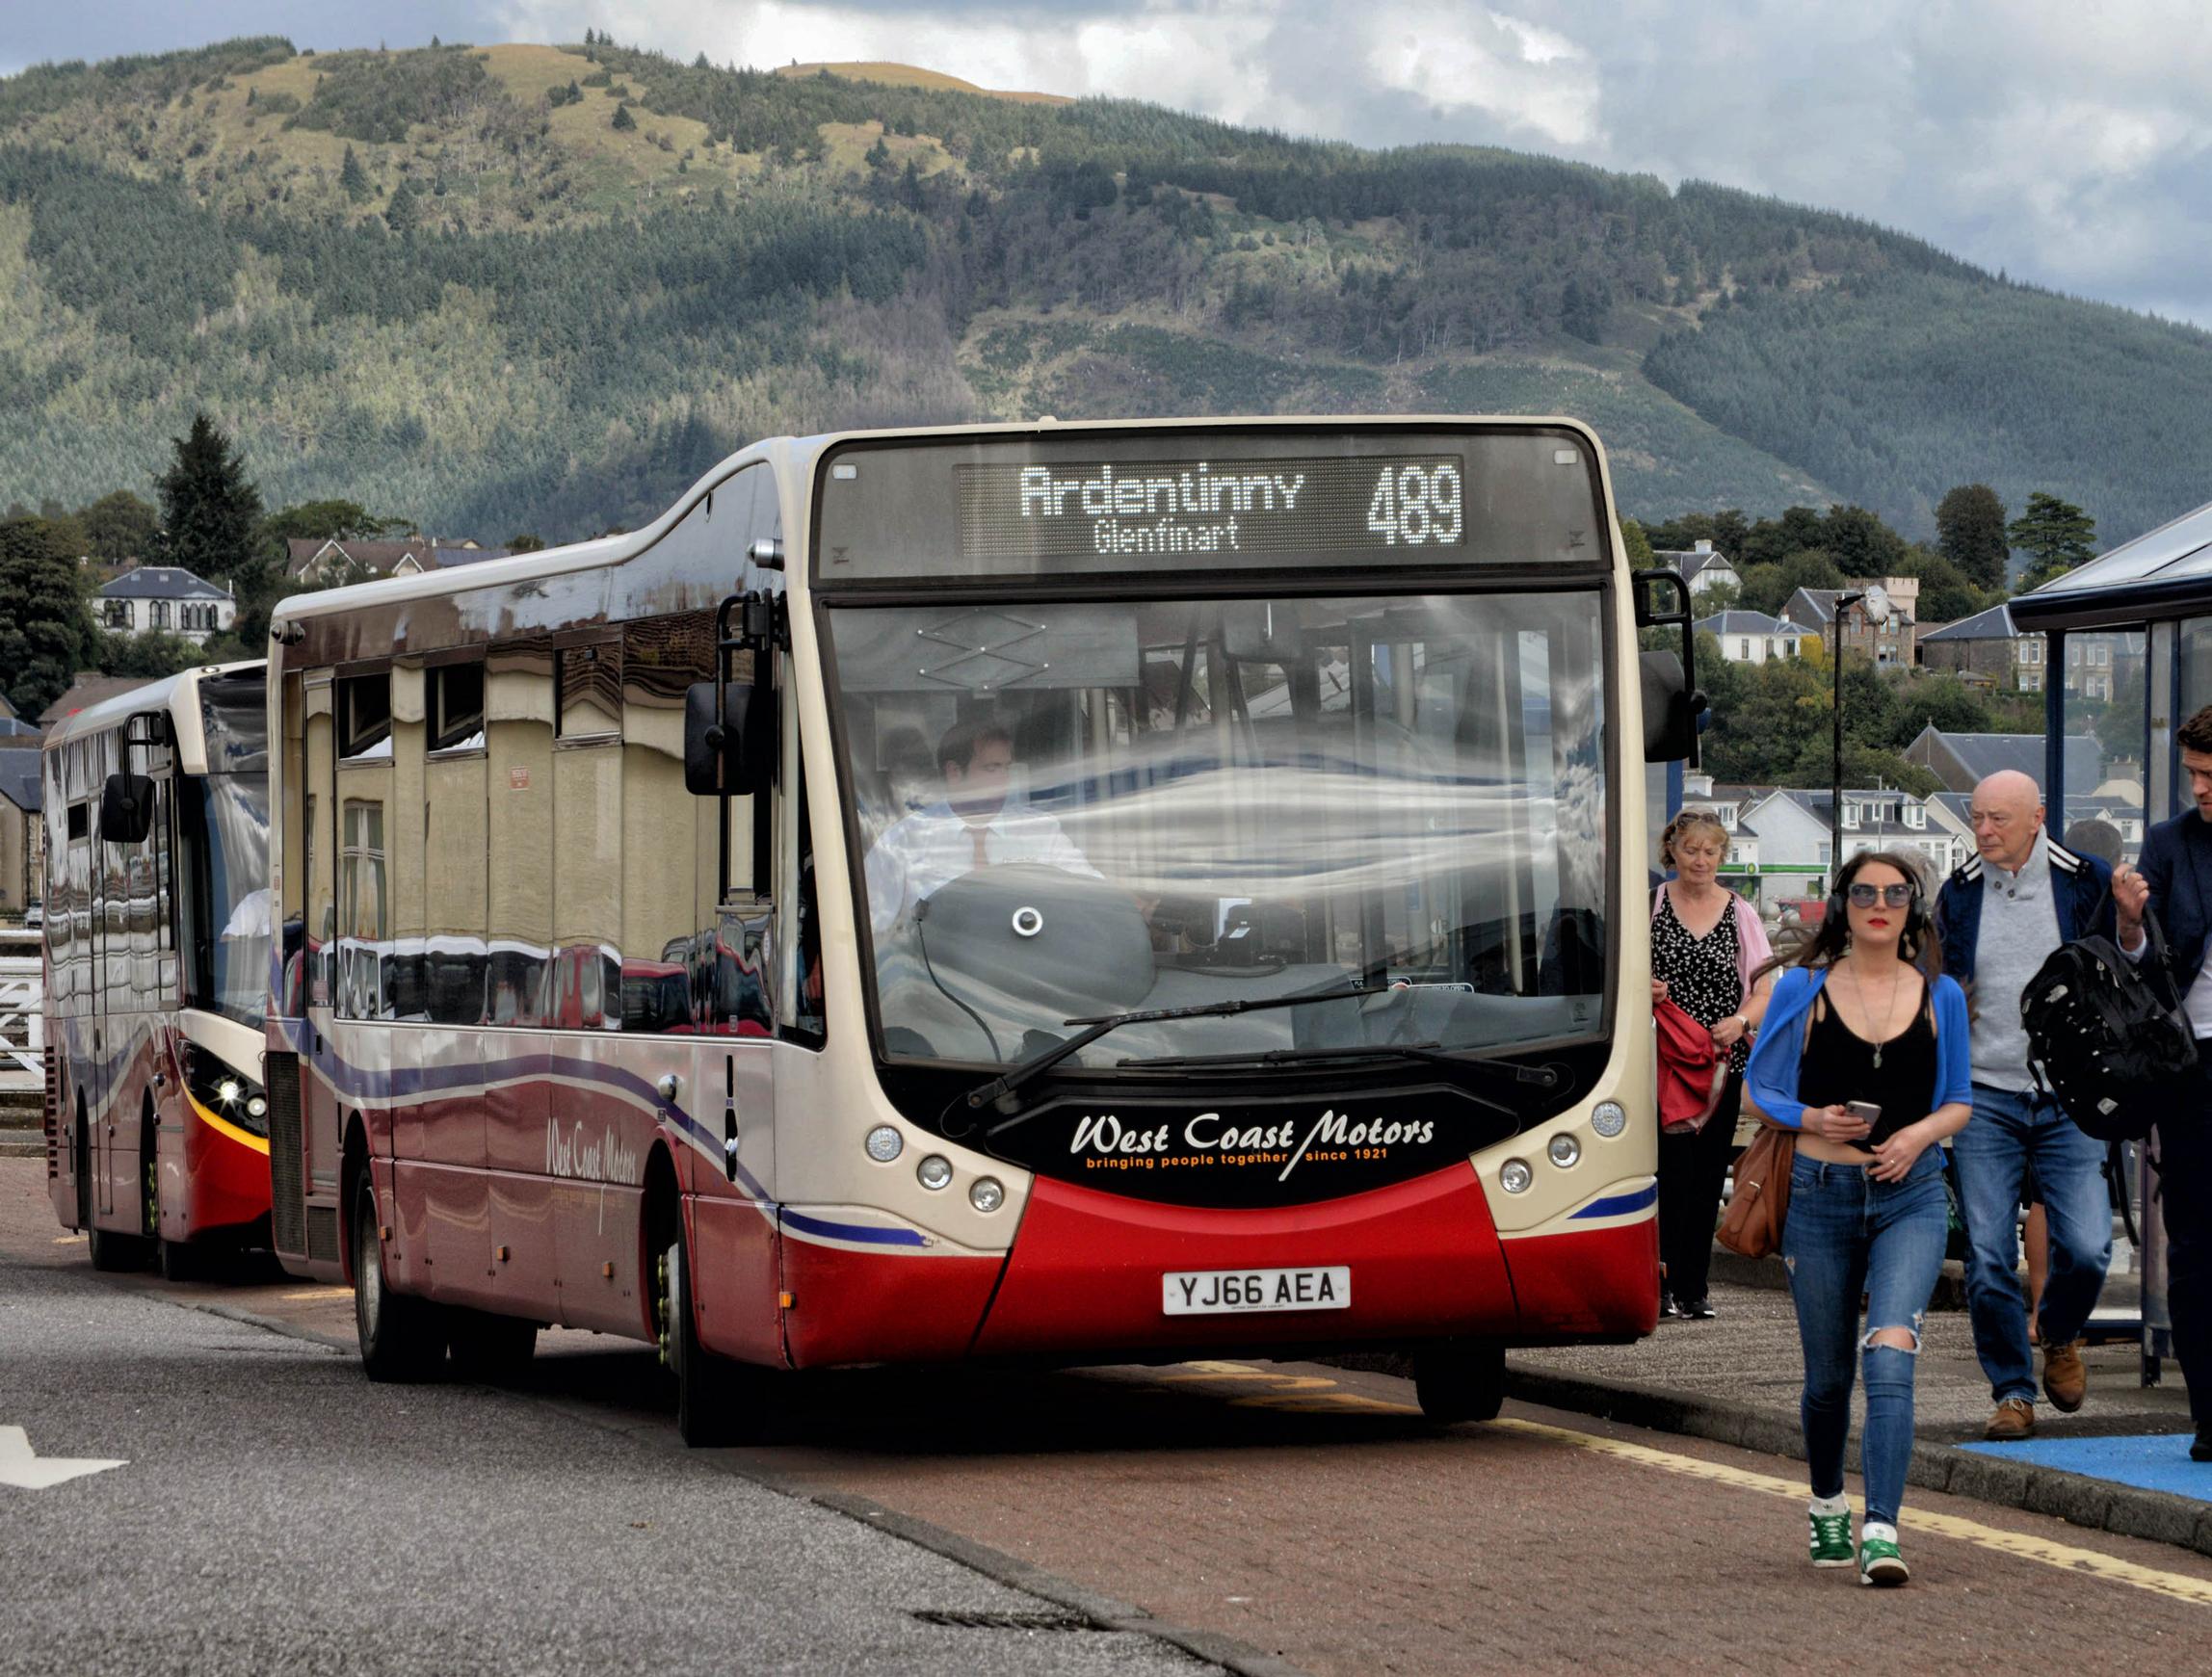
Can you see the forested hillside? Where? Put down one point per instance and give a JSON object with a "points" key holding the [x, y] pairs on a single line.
{"points": [[538, 288]]}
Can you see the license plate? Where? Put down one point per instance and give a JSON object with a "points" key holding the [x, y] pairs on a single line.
{"points": [[1230, 1292]]}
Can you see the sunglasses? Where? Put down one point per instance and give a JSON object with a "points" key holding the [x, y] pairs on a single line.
{"points": [[1866, 896]]}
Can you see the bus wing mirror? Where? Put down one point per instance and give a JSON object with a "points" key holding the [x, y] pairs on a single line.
{"points": [[738, 756], [126, 809], [1673, 713]]}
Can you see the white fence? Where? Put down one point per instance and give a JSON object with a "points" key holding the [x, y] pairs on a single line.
{"points": [[22, 1015]]}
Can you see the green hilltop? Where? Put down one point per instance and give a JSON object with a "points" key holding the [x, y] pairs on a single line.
{"points": [[540, 288]]}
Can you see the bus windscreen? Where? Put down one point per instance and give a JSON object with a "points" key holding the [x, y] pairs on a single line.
{"points": [[1108, 502]]}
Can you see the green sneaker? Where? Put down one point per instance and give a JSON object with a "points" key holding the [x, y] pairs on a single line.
{"points": [[1880, 1563], [1831, 1537]]}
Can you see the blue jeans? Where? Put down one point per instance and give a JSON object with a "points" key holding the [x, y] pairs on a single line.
{"points": [[2010, 1135], [1848, 1235]]}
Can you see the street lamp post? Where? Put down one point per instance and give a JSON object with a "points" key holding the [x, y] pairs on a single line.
{"points": [[1876, 599]]}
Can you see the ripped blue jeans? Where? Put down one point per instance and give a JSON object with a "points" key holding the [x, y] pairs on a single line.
{"points": [[1848, 1235]]}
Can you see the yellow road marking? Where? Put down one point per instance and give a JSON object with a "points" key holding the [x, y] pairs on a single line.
{"points": [[68, 1239], [2019, 1545], [320, 1292], [1305, 1394]]}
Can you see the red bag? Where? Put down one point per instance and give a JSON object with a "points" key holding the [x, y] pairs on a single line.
{"points": [[1693, 1071]]}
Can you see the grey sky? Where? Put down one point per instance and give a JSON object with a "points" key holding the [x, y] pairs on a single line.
{"points": [[2065, 142]]}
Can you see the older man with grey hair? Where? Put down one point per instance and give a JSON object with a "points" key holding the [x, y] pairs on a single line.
{"points": [[2000, 916]]}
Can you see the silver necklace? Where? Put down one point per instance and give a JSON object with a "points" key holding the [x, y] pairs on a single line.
{"points": [[1888, 1002]]}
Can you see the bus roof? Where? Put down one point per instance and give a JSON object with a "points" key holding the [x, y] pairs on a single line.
{"points": [[791, 455], [175, 696]]}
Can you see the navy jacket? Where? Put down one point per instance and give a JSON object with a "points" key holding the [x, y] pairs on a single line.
{"points": [[2177, 865], [2079, 891]]}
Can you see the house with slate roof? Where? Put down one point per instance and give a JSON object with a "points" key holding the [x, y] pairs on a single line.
{"points": [[1706, 571], [1987, 650], [1962, 761], [1794, 843], [165, 599], [1813, 610], [1751, 636]]}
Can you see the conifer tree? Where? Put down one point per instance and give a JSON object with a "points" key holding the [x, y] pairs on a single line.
{"points": [[210, 512], [623, 121], [47, 636], [402, 212], [353, 177], [2056, 535], [1970, 533]]}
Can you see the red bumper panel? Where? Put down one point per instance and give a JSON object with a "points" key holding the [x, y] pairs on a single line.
{"points": [[229, 1181], [854, 1307], [1086, 1268], [1602, 1283]]}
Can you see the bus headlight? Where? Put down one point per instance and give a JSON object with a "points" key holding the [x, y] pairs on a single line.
{"points": [[1564, 1150], [935, 1171], [224, 1090], [1514, 1177], [986, 1194], [884, 1144], [1609, 1118]]}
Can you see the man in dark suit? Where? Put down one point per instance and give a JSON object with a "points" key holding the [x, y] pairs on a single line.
{"points": [[2176, 878]]}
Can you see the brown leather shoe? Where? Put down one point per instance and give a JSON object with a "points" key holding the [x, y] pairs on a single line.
{"points": [[2066, 1383], [2014, 1420]]}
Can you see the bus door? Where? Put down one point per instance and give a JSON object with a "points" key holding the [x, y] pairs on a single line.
{"points": [[746, 971], [113, 1152]]}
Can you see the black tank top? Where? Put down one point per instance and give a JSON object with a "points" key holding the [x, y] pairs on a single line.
{"points": [[1839, 1066]]}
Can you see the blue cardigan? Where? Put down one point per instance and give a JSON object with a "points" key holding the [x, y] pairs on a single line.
{"points": [[1771, 1075]]}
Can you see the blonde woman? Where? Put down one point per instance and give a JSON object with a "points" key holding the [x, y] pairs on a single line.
{"points": [[1706, 942]]}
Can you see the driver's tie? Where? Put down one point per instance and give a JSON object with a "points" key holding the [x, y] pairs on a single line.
{"points": [[978, 835]]}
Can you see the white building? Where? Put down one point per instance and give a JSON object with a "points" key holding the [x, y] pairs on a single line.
{"points": [[1703, 569], [1751, 636], [164, 598], [1796, 856]]}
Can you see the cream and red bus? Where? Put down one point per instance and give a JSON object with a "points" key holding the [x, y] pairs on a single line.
{"points": [[1081, 893], [157, 947]]}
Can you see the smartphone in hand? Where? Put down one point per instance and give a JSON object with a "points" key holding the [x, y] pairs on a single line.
{"points": [[1867, 1112]]}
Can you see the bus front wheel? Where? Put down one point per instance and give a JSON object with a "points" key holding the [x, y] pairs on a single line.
{"points": [[1460, 1380], [717, 1401], [402, 1338]]}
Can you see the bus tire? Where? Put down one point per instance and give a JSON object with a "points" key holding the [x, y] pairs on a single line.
{"points": [[717, 1401], [178, 1260], [492, 1350], [1459, 1379], [402, 1338]]}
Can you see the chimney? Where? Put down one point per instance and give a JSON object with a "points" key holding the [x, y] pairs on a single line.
{"points": [[1704, 546]]}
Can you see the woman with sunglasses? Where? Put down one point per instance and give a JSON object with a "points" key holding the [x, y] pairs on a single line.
{"points": [[1865, 1055]]}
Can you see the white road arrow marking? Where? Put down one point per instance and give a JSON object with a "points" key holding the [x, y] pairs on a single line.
{"points": [[25, 1469]]}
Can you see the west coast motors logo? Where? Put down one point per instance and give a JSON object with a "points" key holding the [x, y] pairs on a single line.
{"points": [[1102, 1141]]}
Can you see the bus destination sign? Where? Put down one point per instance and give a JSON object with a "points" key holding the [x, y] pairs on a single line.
{"points": [[1142, 510]]}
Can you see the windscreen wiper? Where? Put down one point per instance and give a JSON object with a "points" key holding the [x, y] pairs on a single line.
{"points": [[1544, 1077], [1000, 1089]]}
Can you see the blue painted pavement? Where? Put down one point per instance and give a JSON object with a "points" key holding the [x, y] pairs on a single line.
{"points": [[2159, 1463]]}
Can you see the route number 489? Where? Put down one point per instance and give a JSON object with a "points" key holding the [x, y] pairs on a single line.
{"points": [[1417, 505]]}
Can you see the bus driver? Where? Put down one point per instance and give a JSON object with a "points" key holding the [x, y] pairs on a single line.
{"points": [[972, 826]]}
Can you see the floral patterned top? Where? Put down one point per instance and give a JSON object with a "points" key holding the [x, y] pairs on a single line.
{"points": [[1700, 973]]}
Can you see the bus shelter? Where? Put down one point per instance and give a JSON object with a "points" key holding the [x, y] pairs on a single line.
{"points": [[2128, 657]]}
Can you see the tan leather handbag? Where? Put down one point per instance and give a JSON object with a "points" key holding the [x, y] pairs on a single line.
{"points": [[1754, 1224]]}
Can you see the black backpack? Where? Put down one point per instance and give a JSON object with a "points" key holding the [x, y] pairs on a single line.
{"points": [[2103, 1040]]}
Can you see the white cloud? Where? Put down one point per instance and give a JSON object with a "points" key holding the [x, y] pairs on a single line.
{"points": [[2065, 143]]}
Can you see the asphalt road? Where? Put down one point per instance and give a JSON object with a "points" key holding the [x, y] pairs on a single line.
{"points": [[279, 1513]]}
